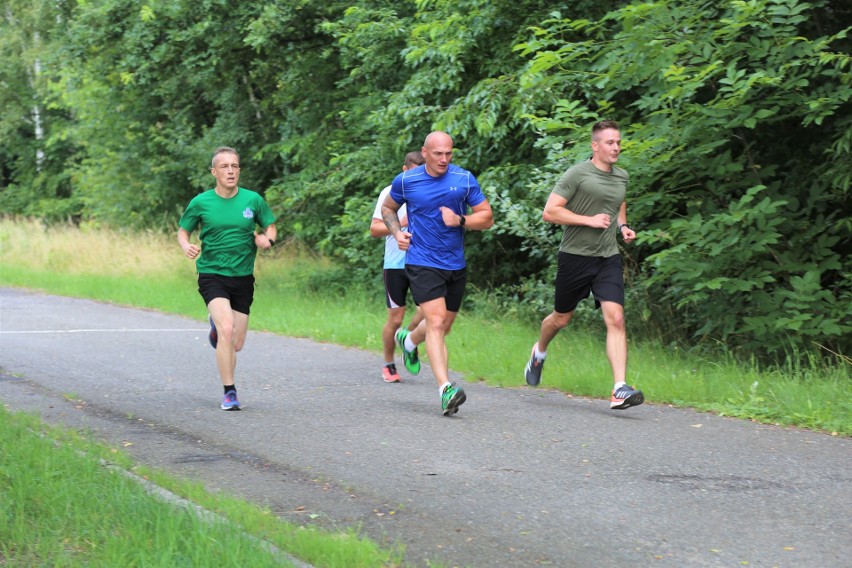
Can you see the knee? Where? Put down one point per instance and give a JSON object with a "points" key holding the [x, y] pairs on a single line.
{"points": [[239, 342], [615, 321], [395, 318], [438, 323], [227, 335], [559, 320]]}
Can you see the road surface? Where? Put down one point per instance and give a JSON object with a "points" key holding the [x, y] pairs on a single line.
{"points": [[519, 477]]}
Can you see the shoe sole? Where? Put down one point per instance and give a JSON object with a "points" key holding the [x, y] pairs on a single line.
{"points": [[230, 409], [392, 380], [454, 403], [634, 399], [529, 377]]}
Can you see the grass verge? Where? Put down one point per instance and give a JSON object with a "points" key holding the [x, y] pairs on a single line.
{"points": [[61, 504]]}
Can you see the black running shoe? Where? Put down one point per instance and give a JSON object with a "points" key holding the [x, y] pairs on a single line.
{"points": [[533, 371], [625, 397]]}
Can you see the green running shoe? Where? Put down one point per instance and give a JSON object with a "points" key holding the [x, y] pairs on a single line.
{"points": [[452, 398], [410, 358]]}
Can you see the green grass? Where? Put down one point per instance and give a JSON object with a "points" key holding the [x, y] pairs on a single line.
{"points": [[62, 504]]}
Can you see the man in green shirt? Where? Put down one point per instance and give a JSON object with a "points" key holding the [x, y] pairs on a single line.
{"points": [[228, 216], [589, 201]]}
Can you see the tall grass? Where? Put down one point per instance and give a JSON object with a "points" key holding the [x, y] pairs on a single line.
{"points": [[301, 295]]}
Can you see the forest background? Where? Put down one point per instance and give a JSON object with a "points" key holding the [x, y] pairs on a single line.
{"points": [[735, 117]]}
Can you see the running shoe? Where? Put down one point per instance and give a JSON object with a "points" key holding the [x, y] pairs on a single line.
{"points": [[410, 358], [213, 336], [533, 371], [390, 375], [625, 397], [452, 398], [230, 401]]}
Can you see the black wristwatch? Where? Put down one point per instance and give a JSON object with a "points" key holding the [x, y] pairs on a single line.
{"points": [[462, 220], [271, 242], [622, 226]]}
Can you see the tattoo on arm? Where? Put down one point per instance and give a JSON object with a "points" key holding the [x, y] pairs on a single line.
{"points": [[391, 219]]}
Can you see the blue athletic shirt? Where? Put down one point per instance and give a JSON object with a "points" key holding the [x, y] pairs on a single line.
{"points": [[433, 243]]}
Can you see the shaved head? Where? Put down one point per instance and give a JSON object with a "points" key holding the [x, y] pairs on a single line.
{"points": [[437, 151]]}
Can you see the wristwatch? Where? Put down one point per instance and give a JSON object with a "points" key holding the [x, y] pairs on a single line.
{"points": [[621, 226], [462, 220]]}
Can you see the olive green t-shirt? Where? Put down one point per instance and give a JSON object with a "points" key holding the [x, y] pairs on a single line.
{"points": [[590, 191], [227, 230]]}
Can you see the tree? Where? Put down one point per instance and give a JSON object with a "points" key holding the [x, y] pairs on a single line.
{"points": [[727, 107], [33, 178]]}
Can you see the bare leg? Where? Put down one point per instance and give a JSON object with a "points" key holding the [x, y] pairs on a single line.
{"points": [[393, 323], [550, 326], [415, 319], [231, 328], [433, 329], [616, 339]]}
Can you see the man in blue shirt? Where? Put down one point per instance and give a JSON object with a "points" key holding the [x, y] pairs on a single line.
{"points": [[437, 196]]}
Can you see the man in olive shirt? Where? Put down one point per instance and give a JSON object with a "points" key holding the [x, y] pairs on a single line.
{"points": [[228, 216], [589, 201]]}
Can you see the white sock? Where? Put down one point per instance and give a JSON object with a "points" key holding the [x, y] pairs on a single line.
{"points": [[409, 345], [539, 355], [618, 385], [442, 388]]}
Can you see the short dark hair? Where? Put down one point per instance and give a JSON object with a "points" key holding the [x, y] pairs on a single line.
{"points": [[603, 125], [414, 159], [222, 150]]}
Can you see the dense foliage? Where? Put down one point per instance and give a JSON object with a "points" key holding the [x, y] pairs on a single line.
{"points": [[735, 114]]}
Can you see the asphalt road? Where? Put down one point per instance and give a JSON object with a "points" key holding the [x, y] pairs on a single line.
{"points": [[519, 477]]}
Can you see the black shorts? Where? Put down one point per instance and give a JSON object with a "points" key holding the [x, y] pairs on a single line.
{"points": [[397, 286], [238, 289], [429, 283], [577, 275]]}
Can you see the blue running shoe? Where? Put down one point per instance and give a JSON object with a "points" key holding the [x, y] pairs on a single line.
{"points": [[452, 398], [410, 358], [213, 336], [230, 401]]}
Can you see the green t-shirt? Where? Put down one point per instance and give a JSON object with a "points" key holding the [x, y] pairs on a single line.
{"points": [[227, 230], [590, 191]]}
